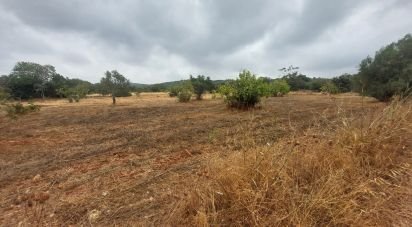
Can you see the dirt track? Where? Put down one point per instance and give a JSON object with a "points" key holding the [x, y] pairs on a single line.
{"points": [[130, 163]]}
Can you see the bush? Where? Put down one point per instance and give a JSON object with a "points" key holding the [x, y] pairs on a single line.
{"points": [[174, 91], [76, 98], [330, 88], [185, 91], [3, 95], [280, 88], [184, 96], [15, 109], [244, 92]]}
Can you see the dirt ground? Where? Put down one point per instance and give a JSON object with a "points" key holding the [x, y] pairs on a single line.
{"points": [[91, 163]]}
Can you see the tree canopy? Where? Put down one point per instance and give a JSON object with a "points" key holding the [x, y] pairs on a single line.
{"points": [[116, 84], [201, 84], [389, 72]]}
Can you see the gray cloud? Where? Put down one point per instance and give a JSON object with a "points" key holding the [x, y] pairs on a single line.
{"points": [[154, 41]]}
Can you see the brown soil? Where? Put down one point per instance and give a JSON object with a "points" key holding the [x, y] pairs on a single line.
{"points": [[130, 164]]}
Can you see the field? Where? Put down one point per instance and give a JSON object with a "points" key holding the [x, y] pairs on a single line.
{"points": [[92, 163]]}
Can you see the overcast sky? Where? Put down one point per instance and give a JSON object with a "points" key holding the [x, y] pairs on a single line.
{"points": [[152, 41]]}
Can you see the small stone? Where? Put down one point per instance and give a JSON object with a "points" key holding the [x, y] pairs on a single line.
{"points": [[105, 193], [94, 215], [37, 178]]}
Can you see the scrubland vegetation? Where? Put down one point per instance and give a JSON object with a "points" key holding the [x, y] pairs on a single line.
{"points": [[249, 151]]}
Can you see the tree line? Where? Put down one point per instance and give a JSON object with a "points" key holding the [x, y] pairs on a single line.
{"points": [[29, 80], [386, 74]]}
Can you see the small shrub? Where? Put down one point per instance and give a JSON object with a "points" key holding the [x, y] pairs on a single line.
{"points": [[330, 88], [15, 109], [31, 107], [76, 98], [174, 91], [4, 95], [70, 99], [185, 92], [184, 96], [244, 92], [280, 88]]}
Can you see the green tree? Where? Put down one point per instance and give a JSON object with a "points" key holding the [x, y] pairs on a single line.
{"points": [[201, 84], [389, 72], [343, 82], [316, 83], [116, 84], [29, 79]]}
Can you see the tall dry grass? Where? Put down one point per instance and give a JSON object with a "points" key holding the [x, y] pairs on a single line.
{"points": [[353, 171]]}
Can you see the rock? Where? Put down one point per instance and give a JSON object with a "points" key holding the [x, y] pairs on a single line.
{"points": [[37, 178], [94, 215]]}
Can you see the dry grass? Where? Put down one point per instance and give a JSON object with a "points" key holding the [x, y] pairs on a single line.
{"points": [[353, 171], [134, 163]]}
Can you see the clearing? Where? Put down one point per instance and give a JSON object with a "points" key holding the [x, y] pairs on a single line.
{"points": [[132, 163]]}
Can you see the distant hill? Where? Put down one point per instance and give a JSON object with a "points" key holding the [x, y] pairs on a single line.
{"points": [[137, 85], [165, 86]]}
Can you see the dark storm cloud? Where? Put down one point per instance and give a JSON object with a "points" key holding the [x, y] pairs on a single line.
{"points": [[153, 41]]}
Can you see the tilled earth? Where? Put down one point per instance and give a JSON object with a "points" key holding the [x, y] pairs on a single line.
{"points": [[130, 164]]}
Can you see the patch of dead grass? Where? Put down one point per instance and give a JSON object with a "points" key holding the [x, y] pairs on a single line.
{"points": [[353, 171]]}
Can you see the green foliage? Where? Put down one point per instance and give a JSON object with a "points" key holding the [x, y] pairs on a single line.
{"points": [[184, 96], [115, 84], [185, 91], [75, 93], [280, 87], [13, 110], [244, 92], [265, 88], [201, 84], [173, 91], [297, 81], [330, 88], [4, 95], [315, 83], [343, 82], [389, 73], [30, 79]]}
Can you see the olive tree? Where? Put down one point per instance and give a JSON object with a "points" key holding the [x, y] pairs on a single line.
{"points": [[115, 83]]}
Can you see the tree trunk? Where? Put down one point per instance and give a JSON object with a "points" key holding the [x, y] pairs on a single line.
{"points": [[114, 98]]}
